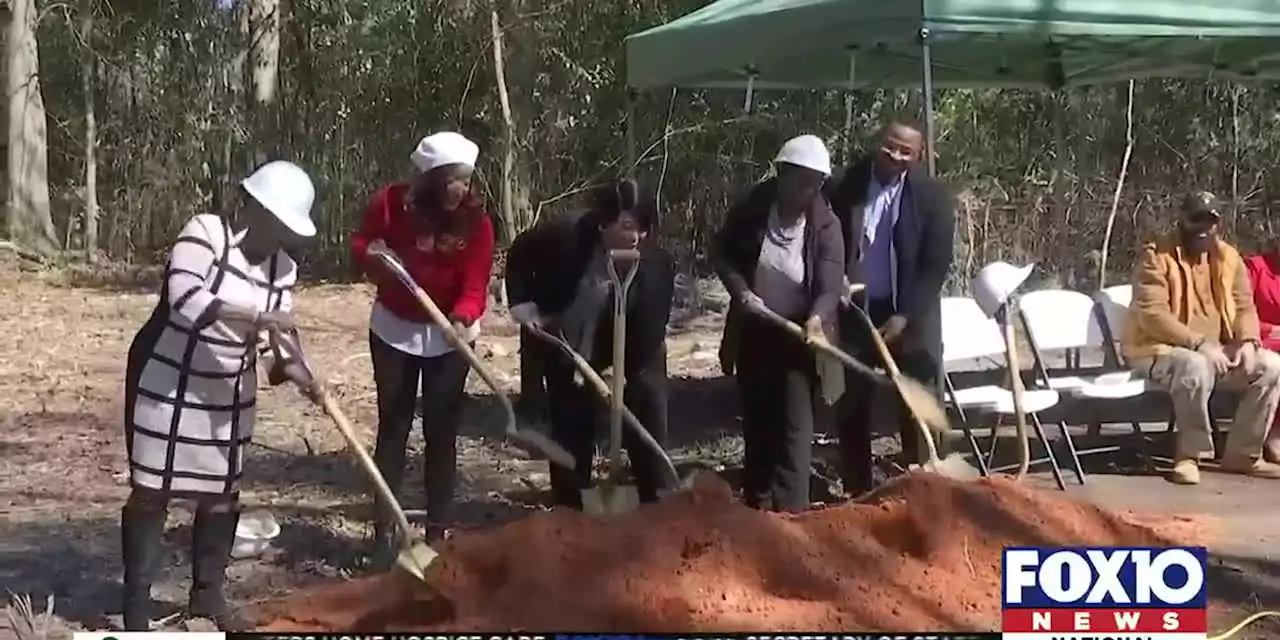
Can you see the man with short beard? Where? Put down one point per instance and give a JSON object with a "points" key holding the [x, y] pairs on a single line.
{"points": [[1192, 326]]}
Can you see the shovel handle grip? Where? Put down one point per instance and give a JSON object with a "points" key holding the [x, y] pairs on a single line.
{"points": [[824, 346], [285, 348]]}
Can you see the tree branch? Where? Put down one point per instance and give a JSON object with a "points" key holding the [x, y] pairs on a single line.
{"points": [[1115, 196]]}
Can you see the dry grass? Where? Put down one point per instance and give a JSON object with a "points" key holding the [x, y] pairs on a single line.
{"points": [[23, 620]]}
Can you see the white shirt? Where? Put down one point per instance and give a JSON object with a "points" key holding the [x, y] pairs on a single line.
{"points": [[421, 339]]}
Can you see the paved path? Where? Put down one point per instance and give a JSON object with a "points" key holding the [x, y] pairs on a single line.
{"points": [[1245, 571]]}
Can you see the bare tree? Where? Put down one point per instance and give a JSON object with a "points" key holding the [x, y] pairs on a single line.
{"points": [[30, 223], [89, 72]]}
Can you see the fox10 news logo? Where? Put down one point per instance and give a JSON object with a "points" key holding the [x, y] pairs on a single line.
{"points": [[1087, 593]]}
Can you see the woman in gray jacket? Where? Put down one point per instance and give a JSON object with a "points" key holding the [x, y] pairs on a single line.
{"points": [[780, 250]]}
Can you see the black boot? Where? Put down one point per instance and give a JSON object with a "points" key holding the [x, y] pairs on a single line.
{"points": [[211, 542], [141, 545]]}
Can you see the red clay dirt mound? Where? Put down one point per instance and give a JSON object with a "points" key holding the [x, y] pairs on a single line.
{"points": [[922, 553]]}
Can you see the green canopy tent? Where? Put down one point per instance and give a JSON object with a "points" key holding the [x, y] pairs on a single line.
{"points": [[808, 43], [792, 44], [845, 44]]}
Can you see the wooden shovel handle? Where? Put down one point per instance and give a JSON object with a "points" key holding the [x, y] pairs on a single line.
{"points": [[545, 445], [366, 463], [824, 346], [602, 389], [287, 348], [1015, 389], [895, 375]]}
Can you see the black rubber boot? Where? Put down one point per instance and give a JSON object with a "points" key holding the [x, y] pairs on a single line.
{"points": [[211, 540], [141, 545]]}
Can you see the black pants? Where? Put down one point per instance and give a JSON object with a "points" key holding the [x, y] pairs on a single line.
{"points": [[577, 411], [777, 380], [854, 410], [532, 405], [443, 378]]}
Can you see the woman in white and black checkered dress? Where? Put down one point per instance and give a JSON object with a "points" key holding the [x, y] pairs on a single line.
{"points": [[191, 383]]}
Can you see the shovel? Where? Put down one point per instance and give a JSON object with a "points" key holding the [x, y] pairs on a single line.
{"points": [[415, 555], [613, 495], [922, 402], [527, 438], [954, 465], [1015, 388], [603, 389]]}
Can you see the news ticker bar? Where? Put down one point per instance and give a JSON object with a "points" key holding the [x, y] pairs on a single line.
{"points": [[204, 635], [622, 636], [189, 635], [159, 635]]}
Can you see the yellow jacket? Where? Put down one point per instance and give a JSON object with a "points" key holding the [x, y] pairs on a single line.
{"points": [[1162, 285]]}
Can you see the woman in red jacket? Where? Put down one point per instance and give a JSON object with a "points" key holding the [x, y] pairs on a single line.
{"points": [[1264, 275], [443, 236]]}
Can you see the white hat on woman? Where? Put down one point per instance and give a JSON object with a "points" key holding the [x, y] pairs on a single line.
{"points": [[442, 149], [806, 151], [285, 190]]}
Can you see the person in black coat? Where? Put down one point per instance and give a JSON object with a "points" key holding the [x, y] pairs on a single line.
{"points": [[531, 406], [898, 223], [557, 281], [780, 249]]}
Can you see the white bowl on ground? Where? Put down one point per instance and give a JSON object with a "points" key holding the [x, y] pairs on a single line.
{"points": [[254, 534]]}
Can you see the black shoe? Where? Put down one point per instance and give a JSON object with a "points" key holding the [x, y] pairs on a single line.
{"points": [[211, 540], [141, 545]]}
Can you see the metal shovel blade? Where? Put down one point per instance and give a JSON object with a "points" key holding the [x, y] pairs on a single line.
{"points": [[953, 466], [415, 558], [610, 499]]}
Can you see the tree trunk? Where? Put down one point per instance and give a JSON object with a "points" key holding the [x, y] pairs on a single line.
{"points": [[264, 71], [89, 71], [517, 213], [30, 223]]}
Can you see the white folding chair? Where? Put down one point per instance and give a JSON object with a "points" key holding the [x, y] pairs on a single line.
{"points": [[968, 335], [1056, 320], [1113, 310]]}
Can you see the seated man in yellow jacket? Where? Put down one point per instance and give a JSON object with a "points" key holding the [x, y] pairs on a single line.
{"points": [[1192, 326]]}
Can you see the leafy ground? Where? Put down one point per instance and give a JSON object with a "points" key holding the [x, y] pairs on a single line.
{"points": [[63, 467]]}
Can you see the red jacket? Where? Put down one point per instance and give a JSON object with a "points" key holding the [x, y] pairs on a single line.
{"points": [[457, 279], [1266, 295]]}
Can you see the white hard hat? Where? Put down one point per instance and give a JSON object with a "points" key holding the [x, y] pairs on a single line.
{"points": [[285, 190], [807, 151], [996, 283]]}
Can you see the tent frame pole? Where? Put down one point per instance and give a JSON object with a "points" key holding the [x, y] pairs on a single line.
{"points": [[846, 151], [926, 60], [630, 134]]}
